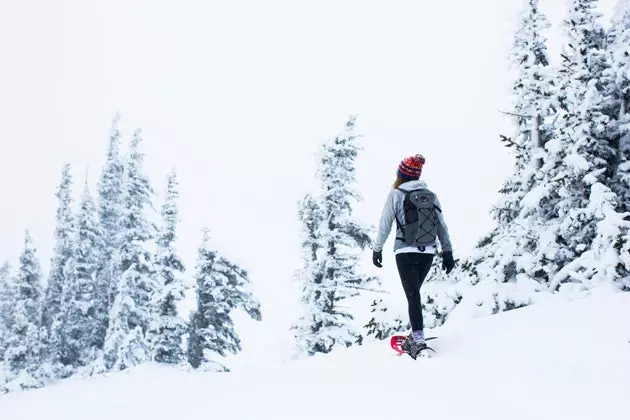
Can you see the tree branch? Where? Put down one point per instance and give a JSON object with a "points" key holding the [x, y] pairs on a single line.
{"points": [[509, 142], [515, 115]]}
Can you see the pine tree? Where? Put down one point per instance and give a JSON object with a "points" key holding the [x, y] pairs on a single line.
{"points": [[386, 322], [443, 292], [221, 287], [135, 260], [619, 51], [310, 275], [583, 147], [111, 208], [532, 90], [125, 343], [334, 278], [168, 329], [606, 261], [312, 217], [86, 311], [7, 295], [497, 276], [23, 348], [58, 282], [592, 233], [565, 236], [554, 224]]}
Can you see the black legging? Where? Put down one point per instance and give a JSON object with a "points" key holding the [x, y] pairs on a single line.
{"points": [[413, 268]]}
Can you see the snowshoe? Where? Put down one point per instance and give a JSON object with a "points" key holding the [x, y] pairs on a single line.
{"points": [[403, 344]]}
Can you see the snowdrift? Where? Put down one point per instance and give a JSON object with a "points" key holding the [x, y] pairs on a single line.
{"points": [[562, 360]]}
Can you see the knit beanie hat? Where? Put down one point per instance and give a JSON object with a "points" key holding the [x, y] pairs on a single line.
{"points": [[411, 168]]}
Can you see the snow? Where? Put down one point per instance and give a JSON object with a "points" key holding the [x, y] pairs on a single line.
{"points": [[558, 359], [532, 198], [577, 161]]}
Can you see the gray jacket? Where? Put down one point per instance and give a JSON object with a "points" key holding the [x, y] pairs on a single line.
{"points": [[394, 208]]}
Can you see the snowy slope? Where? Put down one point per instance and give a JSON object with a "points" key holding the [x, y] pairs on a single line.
{"points": [[562, 360]]}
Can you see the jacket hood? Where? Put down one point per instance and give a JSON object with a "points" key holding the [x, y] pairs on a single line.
{"points": [[412, 185]]}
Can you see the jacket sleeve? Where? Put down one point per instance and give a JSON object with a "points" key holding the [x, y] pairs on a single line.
{"points": [[443, 236], [387, 218]]}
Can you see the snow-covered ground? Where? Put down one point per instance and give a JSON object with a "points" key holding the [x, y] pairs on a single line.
{"points": [[561, 360]]}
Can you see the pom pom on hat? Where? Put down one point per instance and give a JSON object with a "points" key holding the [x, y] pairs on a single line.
{"points": [[411, 168]]}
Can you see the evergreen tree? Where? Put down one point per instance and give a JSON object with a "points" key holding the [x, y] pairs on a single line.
{"points": [[334, 278], [125, 343], [565, 235], [310, 275], [168, 327], [111, 208], [504, 261], [7, 295], [606, 261], [23, 349], [532, 91], [58, 282], [221, 288], [386, 322], [583, 147], [86, 312], [619, 51], [555, 225], [135, 260], [592, 234], [311, 215]]}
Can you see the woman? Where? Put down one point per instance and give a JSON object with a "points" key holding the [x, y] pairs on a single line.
{"points": [[413, 262]]}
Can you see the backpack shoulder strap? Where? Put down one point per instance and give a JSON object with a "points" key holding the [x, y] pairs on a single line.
{"points": [[405, 193], [435, 205], [395, 216]]}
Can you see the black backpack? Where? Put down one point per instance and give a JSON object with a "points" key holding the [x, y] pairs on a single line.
{"points": [[421, 219]]}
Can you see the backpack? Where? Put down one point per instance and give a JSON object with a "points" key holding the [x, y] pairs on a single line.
{"points": [[421, 217]]}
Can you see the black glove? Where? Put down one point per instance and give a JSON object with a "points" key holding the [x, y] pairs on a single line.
{"points": [[377, 258], [447, 261]]}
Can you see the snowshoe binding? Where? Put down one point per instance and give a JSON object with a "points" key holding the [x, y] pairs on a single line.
{"points": [[414, 349]]}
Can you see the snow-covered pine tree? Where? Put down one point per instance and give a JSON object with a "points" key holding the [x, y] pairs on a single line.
{"points": [[606, 261], [311, 215], [168, 328], [7, 296], [441, 292], [619, 51], [498, 274], [85, 315], [58, 280], [111, 208], [221, 287], [125, 343], [385, 320], [583, 146], [334, 278], [565, 219], [22, 354], [531, 89], [310, 275]]}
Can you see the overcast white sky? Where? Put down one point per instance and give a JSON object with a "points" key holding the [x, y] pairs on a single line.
{"points": [[237, 95]]}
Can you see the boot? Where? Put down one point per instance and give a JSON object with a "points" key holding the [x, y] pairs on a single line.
{"points": [[412, 347]]}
